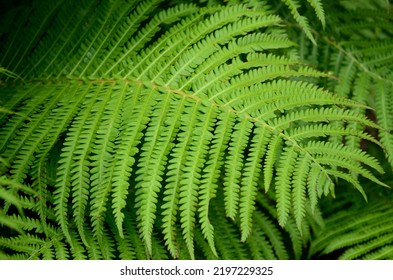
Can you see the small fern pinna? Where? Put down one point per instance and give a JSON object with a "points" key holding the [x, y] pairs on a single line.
{"points": [[148, 129]]}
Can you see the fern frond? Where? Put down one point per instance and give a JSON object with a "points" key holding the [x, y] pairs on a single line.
{"points": [[248, 187], [294, 6], [272, 155], [384, 109], [283, 185], [190, 181], [209, 182], [148, 130], [229, 247], [366, 233], [102, 149], [299, 190], [361, 59], [237, 145], [76, 147], [319, 10]]}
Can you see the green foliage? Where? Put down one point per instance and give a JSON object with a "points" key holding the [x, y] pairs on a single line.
{"points": [[357, 231], [149, 130]]}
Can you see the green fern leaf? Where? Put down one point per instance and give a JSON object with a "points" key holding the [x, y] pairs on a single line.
{"points": [[283, 185], [148, 130], [293, 6], [366, 235], [299, 190], [233, 169], [248, 187], [384, 108], [318, 7], [209, 181]]}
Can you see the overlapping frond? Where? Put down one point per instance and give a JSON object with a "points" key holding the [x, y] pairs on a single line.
{"points": [[361, 59], [358, 233], [294, 6]]}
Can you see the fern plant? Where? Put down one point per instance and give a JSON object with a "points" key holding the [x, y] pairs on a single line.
{"points": [[147, 129], [358, 232]]}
